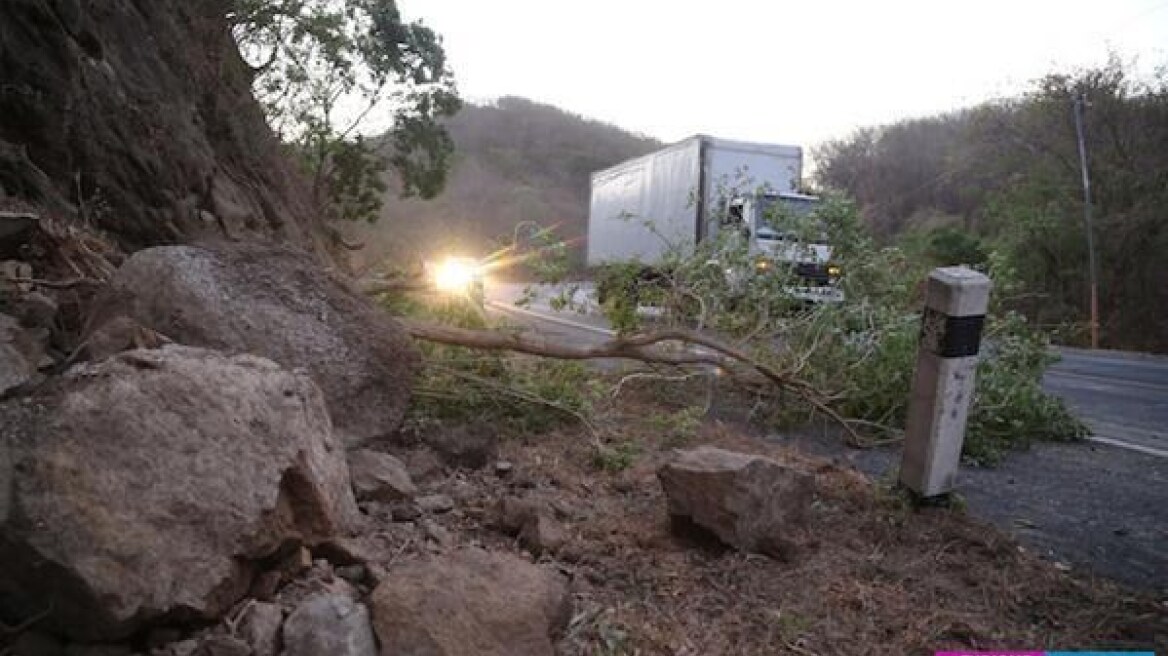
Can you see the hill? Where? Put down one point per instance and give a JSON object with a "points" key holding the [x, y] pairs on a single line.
{"points": [[516, 160]]}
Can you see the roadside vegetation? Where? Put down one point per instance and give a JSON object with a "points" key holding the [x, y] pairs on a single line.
{"points": [[1000, 185], [849, 363]]}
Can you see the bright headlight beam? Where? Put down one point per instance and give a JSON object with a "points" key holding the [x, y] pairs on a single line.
{"points": [[454, 275]]}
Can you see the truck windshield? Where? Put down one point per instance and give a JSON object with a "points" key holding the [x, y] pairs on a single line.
{"points": [[786, 218]]}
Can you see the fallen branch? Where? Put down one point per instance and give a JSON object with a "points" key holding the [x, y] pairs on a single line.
{"points": [[644, 347]]}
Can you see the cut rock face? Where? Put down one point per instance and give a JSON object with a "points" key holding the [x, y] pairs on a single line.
{"points": [[276, 303], [749, 502], [143, 486], [470, 603]]}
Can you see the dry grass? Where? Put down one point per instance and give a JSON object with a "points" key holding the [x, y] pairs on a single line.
{"points": [[875, 574]]}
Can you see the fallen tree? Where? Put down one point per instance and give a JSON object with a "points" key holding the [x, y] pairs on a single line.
{"points": [[644, 347]]}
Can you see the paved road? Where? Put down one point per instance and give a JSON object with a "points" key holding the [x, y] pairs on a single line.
{"points": [[1123, 397], [1100, 506]]}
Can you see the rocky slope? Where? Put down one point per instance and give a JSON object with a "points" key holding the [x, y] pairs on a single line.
{"points": [[137, 118]]}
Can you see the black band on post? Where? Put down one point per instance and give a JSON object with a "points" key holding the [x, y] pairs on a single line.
{"points": [[951, 337]]}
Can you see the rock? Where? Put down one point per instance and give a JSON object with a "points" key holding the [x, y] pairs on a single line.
{"points": [[98, 650], [352, 573], [503, 468], [329, 625], [512, 513], [37, 644], [542, 534], [423, 465], [471, 445], [149, 483], [275, 303], [404, 512], [470, 602], [259, 627], [20, 353], [436, 503], [435, 532], [265, 585], [15, 230], [749, 502], [532, 521], [379, 477], [11, 270], [119, 334], [35, 310], [218, 644], [218, 150]]}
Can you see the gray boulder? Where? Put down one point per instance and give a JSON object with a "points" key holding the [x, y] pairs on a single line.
{"points": [[752, 503], [19, 354], [279, 304], [380, 477], [145, 486], [470, 602], [329, 625]]}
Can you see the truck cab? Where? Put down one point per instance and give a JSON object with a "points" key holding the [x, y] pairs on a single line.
{"points": [[782, 237]]}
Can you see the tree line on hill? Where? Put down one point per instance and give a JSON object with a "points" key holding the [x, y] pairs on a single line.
{"points": [[1000, 185]]}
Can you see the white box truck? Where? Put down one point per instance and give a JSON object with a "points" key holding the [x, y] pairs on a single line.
{"points": [[693, 190]]}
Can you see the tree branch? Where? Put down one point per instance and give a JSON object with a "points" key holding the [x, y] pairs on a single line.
{"points": [[641, 347]]}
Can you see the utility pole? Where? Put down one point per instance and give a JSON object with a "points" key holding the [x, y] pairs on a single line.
{"points": [[1080, 101]]}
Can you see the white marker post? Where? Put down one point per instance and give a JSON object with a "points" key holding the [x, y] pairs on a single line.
{"points": [[955, 307]]}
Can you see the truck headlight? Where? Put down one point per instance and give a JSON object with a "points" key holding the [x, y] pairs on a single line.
{"points": [[834, 271], [455, 275], [762, 265]]}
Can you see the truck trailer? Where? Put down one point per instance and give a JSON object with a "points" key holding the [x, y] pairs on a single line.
{"points": [[682, 195]]}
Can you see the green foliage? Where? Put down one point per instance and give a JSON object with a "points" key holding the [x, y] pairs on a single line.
{"points": [[323, 67], [862, 351], [523, 394], [616, 457]]}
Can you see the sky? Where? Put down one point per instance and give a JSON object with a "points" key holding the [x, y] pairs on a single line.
{"points": [[778, 71]]}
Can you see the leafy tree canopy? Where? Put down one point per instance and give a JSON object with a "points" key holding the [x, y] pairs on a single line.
{"points": [[326, 69]]}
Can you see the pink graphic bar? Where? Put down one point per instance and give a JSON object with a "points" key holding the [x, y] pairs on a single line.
{"points": [[991, 654]]}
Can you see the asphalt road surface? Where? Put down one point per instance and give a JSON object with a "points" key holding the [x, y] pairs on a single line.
{"points": [[1100, 506]]}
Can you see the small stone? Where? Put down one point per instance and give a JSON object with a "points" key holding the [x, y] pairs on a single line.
{"points": [[265, 585], [379, 476], [296, 562], [259, 626], [352, 573], [503, 468], [435, 532], [37, 644], [436, 503], [512, 513], [472, 445], [542, 534], [404, 512], [332, 625], [423, 465]]}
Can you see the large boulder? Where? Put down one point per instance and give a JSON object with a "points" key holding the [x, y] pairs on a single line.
{"points": [[750, 502], [145, 486], [279, 304], [470, 602]]}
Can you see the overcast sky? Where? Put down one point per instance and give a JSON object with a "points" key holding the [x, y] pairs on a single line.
{"points": [[776, 70]]}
